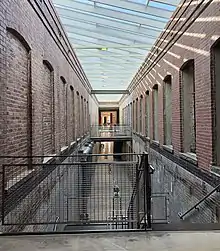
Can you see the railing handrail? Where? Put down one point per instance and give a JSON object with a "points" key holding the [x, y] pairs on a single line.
{"points": [[144, 171], [198, 203]]}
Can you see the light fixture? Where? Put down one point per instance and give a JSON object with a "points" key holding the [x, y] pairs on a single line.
{"points": [[103, 49]]}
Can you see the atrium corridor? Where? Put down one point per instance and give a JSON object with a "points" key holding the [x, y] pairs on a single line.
{"points": [[109, 125]]}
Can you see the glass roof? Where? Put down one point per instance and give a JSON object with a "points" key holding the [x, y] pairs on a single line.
{"points": [[113, 37]]}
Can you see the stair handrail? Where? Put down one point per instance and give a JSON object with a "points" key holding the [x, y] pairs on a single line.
{"points": [[182, 215]]}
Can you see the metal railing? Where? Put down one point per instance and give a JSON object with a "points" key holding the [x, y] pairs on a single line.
{"points": [[195, 207], [140, 202], [76, 191], [110, 131]]}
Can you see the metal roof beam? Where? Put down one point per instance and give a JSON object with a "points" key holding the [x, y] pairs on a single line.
{"points": [[116, 67], [102, 37], [137, 37], [137, 7], [100, 13], [169, 2], [111, 24], [96, 52], [109, 91], [125, 51], [111, 60], [113, 36], [95, 48], [110, 56]]}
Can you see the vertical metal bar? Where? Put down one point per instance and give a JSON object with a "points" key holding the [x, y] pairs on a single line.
{"points": [[132, 214], [148, 189], [79, 192], [98, 192], [122, 219], [3, 195], [145, 192], [113, 208], [29, 113], [137, 198], [166, 207]]}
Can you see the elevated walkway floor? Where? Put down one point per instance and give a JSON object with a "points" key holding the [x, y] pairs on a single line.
{"points": [[110, 139], [151, 241]]}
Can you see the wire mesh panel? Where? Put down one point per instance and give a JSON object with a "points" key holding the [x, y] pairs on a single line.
{"points": [[73, 191]]}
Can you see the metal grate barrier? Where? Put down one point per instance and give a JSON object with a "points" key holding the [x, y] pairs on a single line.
{"points": [[75, 191]]}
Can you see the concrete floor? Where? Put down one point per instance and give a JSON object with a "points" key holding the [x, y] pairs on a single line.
{"points": [[150, 241]]}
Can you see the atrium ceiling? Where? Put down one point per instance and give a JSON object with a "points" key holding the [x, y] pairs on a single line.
{"points": [[113, 37]]}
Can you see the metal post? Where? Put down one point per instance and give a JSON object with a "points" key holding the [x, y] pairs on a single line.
{"points": [[147, 177], [3, 196], [137, 196]]}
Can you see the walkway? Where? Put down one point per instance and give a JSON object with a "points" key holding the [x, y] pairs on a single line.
{"points": [[151, 241], [103, 203]]}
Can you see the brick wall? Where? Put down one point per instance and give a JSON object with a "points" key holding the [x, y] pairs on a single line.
{"points": [[38, 114], [16, 97], [190, 34]]}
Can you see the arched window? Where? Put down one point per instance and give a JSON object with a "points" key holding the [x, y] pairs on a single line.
{"points": [[63, 112], [128, 114], [78, 116], [155, 113], [85, 118], [133, 115], [136, 115], [82, 117], [188, 107], [72, 112], [167, 110], [215, 74], [17, 97], [147, 114], [140, 115], [48, 109]]}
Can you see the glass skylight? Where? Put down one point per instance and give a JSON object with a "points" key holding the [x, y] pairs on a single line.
{"points": [[113, 37]]}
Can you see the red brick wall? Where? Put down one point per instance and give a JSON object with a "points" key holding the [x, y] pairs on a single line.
{"points": [[34, 54], [190, 37]]}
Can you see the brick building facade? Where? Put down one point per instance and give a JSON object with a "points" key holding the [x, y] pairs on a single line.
{"points": [[40, 81], [190, 38]]}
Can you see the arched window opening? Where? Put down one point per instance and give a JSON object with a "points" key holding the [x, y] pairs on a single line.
{"points": [[155, 113], [147, 114], [188, 107], [85, 117], [128, 115], [16, 94], [136, 116], [82, 117], [63, 112], [72, 113], [215, 62], [48, 109], [133, 115], [167, 110], [78, 115], [140, 115]]}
